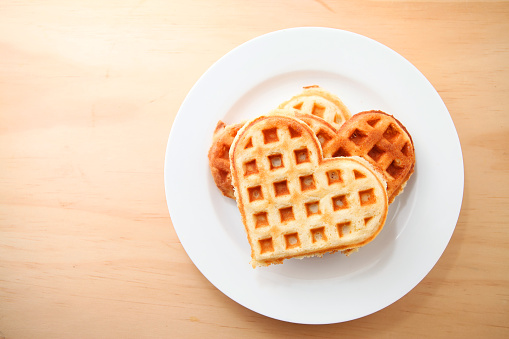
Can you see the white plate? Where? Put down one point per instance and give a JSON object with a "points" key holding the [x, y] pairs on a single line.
{"points": [[254, 78]]}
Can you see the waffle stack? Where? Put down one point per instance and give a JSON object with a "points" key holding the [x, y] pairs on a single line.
{"points": [[318, 108], [295, 202]]}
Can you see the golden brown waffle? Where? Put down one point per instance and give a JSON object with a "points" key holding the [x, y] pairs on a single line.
{"points": [[315, 100], [219, 161], [380, 139], [295, 203], [223, 137]]}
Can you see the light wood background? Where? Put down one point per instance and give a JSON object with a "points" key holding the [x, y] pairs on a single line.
{"points": [[88, 94]]}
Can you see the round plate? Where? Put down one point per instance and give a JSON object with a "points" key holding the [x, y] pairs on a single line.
{"points": [[251, 80]]}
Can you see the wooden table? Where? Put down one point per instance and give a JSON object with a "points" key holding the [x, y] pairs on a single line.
{"points": [[88, 94]]}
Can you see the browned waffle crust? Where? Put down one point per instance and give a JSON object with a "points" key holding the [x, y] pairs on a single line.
{"points": [[380, 139], [295, 203], [219, 161]]}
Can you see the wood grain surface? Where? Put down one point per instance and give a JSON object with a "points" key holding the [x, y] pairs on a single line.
{"points": [[88, 94]]}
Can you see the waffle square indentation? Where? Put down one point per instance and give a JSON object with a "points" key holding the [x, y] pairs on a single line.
{"points": [[286, 214], [323, 137], [373, 122], [312, 208], [339, 202], [307, 182], [334, 176], [318, 110], [337, 118], [318, 234], [255, 193], [341, 152], [276, 161], [270, 135], [394, 169], [358, 136], [367, 197], [391, 133], [250, 167], [292, 240], [406, 149], [266, 245], [261, 219], [344, 228], [358, 174], [301, 156], [376, 153], [294, 133], [249, 143], [281, 188]]}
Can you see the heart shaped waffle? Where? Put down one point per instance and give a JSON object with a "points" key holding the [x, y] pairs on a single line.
{"points": [[380, 139], [295, 203]]}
